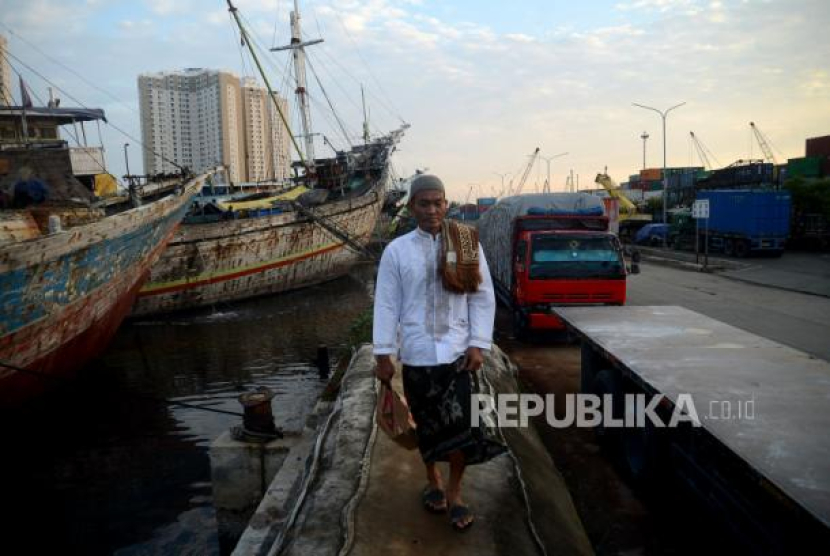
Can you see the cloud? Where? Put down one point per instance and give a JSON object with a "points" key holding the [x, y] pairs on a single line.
{"points": [[482, 93]]}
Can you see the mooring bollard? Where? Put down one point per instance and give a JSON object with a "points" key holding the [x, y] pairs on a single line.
{"points": [[257, 421], [243, 461], [323, 365]]}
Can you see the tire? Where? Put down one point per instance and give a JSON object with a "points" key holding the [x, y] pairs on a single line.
{"points": [[741, 248]]}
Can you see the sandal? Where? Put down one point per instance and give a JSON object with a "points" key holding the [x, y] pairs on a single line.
{"points": [[434, 500], [459, 515]]}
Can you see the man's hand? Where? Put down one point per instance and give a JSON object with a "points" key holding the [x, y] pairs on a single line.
{"points": [[473, 359], [384, 369]]}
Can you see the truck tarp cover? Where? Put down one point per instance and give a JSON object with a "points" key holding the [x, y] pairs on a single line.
{"points": [[495, 227]]}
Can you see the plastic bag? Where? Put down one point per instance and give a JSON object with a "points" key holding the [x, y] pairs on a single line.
{"points": [[394, 419]]}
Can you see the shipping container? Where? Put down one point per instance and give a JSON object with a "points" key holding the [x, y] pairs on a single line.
{"points": [[485, 203], [468, 212], [806, 167], [818, 146], [683, 170], [739, 176], [742, 221], [650, 174]]}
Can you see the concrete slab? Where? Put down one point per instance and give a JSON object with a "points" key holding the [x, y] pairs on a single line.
{"points": [[677, 352]]}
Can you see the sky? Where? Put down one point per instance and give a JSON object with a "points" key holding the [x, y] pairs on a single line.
{"points": [[482, 83]]}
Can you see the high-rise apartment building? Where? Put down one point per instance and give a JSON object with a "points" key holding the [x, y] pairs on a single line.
{"points": [[5, 74], [266, 139], [201, 118]]}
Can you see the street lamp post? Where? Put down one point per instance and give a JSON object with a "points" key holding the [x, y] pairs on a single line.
{"points": [[548, 159], [127, 161], [663, 114]]}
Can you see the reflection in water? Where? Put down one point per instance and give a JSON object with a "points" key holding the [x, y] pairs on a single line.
{"points": [[97, 469]]}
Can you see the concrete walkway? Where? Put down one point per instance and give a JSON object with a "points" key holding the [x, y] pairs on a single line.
{"points": [[375, 502]]}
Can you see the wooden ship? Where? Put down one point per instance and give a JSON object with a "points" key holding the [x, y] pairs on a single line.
{"points": [[71, 263], [236, 250]]}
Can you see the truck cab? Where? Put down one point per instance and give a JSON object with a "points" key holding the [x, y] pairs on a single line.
{"points": [[549, 250], [573, 265]]}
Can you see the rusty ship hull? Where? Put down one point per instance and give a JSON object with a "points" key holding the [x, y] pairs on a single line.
{"points": [[63, 295], [207, 264], [230, 260]]}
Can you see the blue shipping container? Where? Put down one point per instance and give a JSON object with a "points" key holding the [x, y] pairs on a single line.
{"points": [[753, 214]]}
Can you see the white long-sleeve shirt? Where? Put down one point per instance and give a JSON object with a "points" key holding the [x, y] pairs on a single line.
{"points": [[436, 326]]}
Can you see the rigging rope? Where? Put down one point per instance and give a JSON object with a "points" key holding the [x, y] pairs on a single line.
{"points": [[72, 71], [394, 112], [82, 105], [71, 135], [354, 103], [328, 100]]}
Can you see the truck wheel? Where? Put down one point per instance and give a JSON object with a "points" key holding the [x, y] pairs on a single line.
{"points": [[728, 247], [741, 248]]}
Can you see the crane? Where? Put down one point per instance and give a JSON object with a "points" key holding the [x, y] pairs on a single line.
{"points": [[526, 173], [762, 141], [702, 152], [631, 219], [627, 207]]}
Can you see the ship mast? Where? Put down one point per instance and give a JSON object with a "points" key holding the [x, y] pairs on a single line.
{"points": [[246, 41], [298, 47]]}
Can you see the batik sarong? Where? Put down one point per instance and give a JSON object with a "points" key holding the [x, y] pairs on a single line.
{"points": [[439, 399]]}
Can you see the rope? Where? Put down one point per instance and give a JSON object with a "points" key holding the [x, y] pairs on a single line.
{"points": [[328, 100], [82, 105], [394, 112], [70, 70]]}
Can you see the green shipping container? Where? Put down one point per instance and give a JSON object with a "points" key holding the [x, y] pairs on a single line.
{"points": [[683, 170], [806, 167]]}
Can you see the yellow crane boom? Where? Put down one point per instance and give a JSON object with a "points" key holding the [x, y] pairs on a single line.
{"points": [[626, 206]]}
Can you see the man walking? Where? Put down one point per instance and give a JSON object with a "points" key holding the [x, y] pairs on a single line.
{"points": [[434, 295]]}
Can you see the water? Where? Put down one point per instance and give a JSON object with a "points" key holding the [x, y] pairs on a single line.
{"points": [[96, 469]]}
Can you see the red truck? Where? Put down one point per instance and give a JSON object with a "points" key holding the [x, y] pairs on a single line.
{"points": [[549, 250]]}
